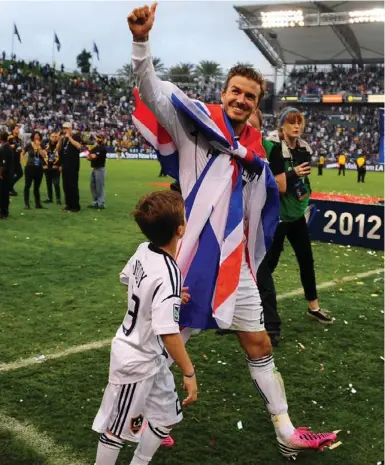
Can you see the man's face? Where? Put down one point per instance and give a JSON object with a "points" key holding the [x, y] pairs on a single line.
{"points": [[240, 98], [16, 131], [54, 137], [99, 140], [66, 132]]}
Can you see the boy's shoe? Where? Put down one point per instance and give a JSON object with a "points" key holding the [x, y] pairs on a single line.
{"points": [[322, 316], [168, 442], [303, 439]]}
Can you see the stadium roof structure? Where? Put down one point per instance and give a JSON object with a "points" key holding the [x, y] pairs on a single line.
{"points": [[315, 32]]}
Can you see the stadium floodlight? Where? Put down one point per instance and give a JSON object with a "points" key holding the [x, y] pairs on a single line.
{"points": [[367, 16], [284, 18]]}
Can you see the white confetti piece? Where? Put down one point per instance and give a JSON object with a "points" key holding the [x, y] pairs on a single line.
{"points": [[21, 400], [345, 322], [40, 357], [374, 295], [335, 445], [301, 345], [360, 283], [15, 284], [38, 293], [353, 391], [382, 358], [314, 402], [27, 238], [239, 425]]}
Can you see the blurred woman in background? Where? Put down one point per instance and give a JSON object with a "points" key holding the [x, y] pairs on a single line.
{"points": [[33, 159], [294, 203]]}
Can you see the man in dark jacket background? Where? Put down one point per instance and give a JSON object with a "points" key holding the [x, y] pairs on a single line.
{"points": [[69, 162], [15, 144], [6, 174]]}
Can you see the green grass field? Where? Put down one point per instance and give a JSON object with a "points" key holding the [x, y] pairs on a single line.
{"points": [[59, 288]]}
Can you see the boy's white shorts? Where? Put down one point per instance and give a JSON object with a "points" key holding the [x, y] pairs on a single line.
{"points": [[125, 406]]}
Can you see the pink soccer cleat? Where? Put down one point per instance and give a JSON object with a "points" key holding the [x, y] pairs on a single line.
{"points": [[303, 439], [168, 442]]}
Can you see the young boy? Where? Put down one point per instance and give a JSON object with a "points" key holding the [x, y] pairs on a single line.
{"points": [[140, 382]]}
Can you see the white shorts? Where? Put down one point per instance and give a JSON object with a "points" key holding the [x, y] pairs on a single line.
{"points": [[125, 406], [248, 313]]}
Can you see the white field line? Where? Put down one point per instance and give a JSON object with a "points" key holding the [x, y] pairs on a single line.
{"points": [[40, 442], [4, 367], [335, 282]]}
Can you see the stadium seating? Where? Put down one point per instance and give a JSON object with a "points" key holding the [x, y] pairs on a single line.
{"points": [[337, 79], [40, 97]]}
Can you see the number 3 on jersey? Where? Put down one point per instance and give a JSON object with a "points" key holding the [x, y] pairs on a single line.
{"points": [[134, 315]]}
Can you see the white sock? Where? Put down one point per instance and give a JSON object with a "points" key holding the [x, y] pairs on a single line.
{"points": [[269, 384], [149, 444], [108, 449]]}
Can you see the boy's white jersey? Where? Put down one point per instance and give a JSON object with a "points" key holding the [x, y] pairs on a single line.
{"points": [[154, 298]]}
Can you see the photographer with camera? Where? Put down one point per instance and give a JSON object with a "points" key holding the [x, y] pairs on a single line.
{"points": [[69, 162], [52, 169], [294, 202], [33, 157]]}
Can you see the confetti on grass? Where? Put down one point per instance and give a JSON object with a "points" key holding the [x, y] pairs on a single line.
{"points": [[335, 445]]}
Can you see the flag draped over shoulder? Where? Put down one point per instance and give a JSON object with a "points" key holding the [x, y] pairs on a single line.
{"points": [[211, 251]]}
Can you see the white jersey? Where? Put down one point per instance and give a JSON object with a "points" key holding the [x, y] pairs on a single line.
{"points": [[154, 298]]}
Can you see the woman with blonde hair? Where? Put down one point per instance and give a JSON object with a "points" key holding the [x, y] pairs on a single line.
{"points": [[294, 203]]}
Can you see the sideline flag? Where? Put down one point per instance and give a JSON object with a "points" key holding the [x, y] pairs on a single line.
{"points": [[96, 50], [57, 42], [15, 31]]}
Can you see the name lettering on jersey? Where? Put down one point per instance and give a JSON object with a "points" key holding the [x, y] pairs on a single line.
{"points": [[139, 273]]}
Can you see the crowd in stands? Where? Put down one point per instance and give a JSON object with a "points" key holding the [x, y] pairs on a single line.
{"points": [[339, 130], [367, 79], [42, 98]]}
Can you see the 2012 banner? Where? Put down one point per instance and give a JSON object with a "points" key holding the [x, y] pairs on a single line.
{"points": [[348, 224]]}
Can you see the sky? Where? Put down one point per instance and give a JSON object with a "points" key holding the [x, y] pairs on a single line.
{"points": [[184, 31]]}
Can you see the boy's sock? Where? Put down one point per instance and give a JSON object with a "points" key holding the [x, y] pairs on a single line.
{"points": [[108, 449], [149, 444]]}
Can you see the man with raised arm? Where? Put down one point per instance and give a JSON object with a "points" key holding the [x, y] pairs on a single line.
{"points": [[242, 92]]}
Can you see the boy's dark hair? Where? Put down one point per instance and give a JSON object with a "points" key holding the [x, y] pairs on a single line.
{"points": [[3, 136], [158, 215], [248, 72]]}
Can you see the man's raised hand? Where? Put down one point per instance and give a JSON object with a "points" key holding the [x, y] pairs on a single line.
{"points": [[141, 20]]}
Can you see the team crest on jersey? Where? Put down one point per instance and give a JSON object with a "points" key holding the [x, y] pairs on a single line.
{"points": [[176, 312], [136, 424]]}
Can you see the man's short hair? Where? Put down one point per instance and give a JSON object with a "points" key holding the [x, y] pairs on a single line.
{"points": [[248, 72], [158, 215], [13, 126]]}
